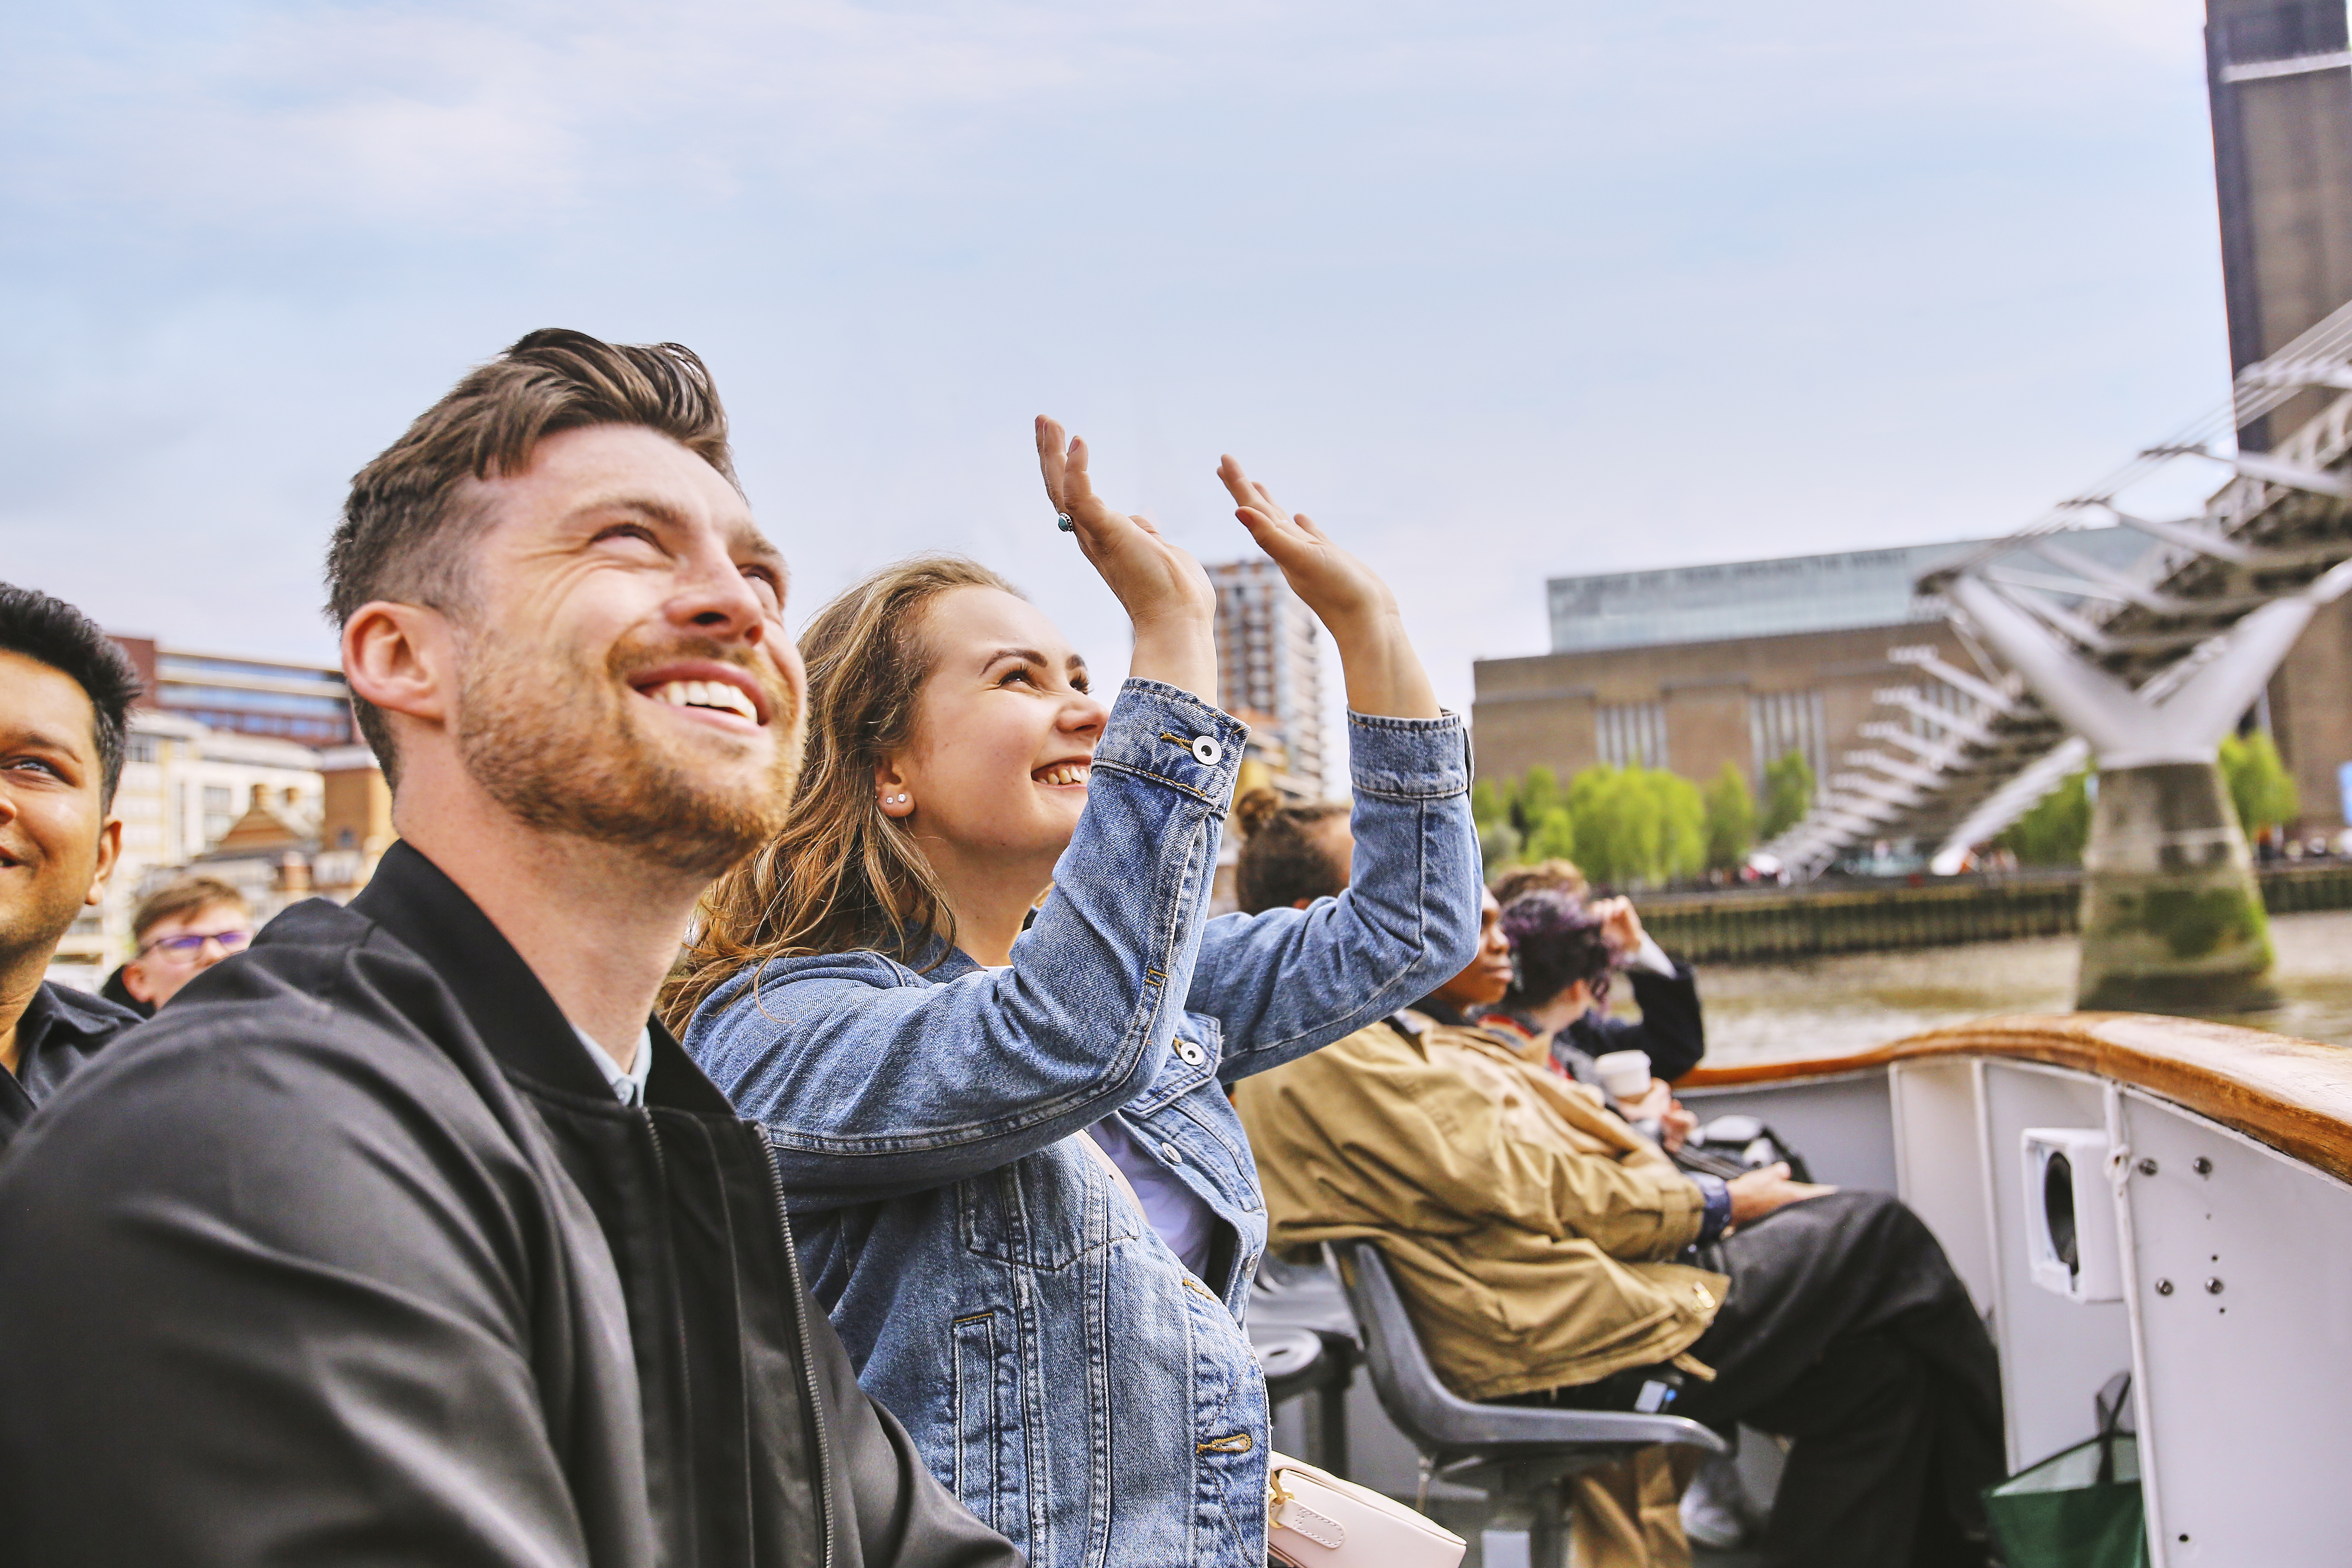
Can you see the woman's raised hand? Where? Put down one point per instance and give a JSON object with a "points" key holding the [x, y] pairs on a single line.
{"points": [[1383, 674], [1165, 593]]}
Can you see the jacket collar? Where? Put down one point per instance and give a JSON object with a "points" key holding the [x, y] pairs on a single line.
{"points": [[415, 902]]}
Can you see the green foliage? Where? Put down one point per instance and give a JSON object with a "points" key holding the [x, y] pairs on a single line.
{"points": [[1489, 803], [1534, 799], [1787, 794], [2260, 785], [1620, 825], [1554, 836], [1682, 824], [2055, 831], [1730, 820], [1625, 827]]}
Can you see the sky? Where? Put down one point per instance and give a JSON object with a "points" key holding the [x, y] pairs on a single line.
{"points": [[1494, 291]]}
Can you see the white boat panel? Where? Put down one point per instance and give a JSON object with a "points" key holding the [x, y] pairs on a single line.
{"points": [[1838, 1122], [1939, 1156], [2244, 1416], [2055, 1354]]}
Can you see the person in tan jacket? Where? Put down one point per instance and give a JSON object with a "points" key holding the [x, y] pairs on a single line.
{"points": [[1550, 1254]]}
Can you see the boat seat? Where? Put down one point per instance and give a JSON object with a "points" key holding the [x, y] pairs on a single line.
{"points": [[1300, 1361], [1518, 1454]]}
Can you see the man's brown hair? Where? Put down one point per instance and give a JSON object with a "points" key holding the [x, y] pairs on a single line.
{"points": [[179, 900], [1554, 876], [1284, 856], [402, 537]]}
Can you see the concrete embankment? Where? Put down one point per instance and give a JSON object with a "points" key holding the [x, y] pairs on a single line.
{"points": [[1750, 926]]}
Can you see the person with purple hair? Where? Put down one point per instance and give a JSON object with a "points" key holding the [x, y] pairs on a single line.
{"points": [[1551, 1254]]}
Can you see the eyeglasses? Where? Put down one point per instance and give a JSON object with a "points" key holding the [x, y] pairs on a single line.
{"points": [[189, 946]]}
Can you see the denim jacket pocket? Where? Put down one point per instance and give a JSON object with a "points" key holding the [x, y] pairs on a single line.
{"points": [[986, 1411], [1045, 1211]]}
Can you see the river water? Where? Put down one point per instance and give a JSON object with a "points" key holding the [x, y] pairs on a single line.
{"points": [[1830, 1006]]}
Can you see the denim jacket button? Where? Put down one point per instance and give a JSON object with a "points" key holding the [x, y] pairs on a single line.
{"points": [[1170, 1152], [1190, 1054], [1206, 751]]}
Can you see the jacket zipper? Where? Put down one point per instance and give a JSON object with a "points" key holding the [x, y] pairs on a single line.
{"points": [[825, 1501], [661, 1173]]}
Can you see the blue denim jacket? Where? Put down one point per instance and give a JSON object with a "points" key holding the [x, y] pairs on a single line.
{"points": [[1059, 1369]]}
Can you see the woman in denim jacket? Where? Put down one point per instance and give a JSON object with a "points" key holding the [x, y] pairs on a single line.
{"points": [[1003, 1126]]}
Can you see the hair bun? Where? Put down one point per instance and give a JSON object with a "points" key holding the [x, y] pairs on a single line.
{"points": [[1255, 808]]}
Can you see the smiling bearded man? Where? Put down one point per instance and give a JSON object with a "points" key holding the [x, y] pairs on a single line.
{"points": [[405, 1235], [566, 750]]}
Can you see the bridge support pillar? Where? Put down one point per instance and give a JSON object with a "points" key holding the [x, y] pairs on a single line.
{"points": [[2172, 917]]}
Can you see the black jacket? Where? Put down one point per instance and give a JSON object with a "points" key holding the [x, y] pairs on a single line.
{"points": [[350, 1257], [1670, 1028], [60, 1029]]}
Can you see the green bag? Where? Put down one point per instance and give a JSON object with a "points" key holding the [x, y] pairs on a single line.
{"points": [[2080, 1508]]}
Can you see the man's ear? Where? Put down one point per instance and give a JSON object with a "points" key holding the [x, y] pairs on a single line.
{"points": [[110, 851], [402, 658], [135, 981]]}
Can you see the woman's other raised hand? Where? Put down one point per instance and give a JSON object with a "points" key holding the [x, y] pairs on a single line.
{"points": [[1383, 674], [1166, 594]]}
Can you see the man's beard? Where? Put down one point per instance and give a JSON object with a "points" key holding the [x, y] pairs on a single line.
{"points": [[559, 747]]}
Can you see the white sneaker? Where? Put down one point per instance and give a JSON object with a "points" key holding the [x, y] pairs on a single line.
{"points": [[1715, 1506]]}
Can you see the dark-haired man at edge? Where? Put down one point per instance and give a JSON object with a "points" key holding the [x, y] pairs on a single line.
{"points": [[405, 1235], [66, 692]]}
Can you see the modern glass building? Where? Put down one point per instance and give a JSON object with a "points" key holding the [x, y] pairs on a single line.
{"points": [[1770, 598], [308, 703]]}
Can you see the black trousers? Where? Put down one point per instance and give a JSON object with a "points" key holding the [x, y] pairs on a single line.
{"points": [[1846, 1331]]}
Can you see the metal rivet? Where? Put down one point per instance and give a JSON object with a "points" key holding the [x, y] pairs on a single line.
{"points": [[1170, 1152], [2163, 1286], [2147, 1167], [2213, 1287], [2201, 1165], [1207, 752]]}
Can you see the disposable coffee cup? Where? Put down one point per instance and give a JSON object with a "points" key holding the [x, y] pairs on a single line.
{"points": [[1624, 1074]]}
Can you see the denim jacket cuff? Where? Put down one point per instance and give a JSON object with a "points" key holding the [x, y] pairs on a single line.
{"points": [[1164, 732], [1409, 759]]}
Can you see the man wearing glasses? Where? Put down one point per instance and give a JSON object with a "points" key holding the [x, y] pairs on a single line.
{"points": [[65, 704], [181, 930]]}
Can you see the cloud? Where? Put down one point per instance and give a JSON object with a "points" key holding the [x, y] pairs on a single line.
{"points": [[1501, 289]]}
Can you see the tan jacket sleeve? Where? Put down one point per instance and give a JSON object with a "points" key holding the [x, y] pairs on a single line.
{"points": [[1369, 1130]]}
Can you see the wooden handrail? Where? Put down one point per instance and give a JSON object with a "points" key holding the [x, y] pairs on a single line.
{"points": [[2293, 1095]]}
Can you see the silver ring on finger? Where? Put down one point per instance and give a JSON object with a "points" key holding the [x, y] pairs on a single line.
{"points": [[1061, 520]]}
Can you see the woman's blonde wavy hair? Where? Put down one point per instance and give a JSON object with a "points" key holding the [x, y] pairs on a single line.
{"points": [[841, 876]]}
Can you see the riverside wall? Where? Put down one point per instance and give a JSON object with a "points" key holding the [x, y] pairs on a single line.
{"points": [[1759, 926]]}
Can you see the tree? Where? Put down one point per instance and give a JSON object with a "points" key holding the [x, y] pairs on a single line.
{"points": [[2055, 830], [1682, 824], [1490, 808], [1554, 836], [1618, 825], [1787, 794], [2260, 786], [1730, 820], [1489, 803], [1534, 798]]}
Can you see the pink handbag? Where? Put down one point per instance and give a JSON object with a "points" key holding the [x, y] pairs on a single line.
{"points": [[1315, 1519]]}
